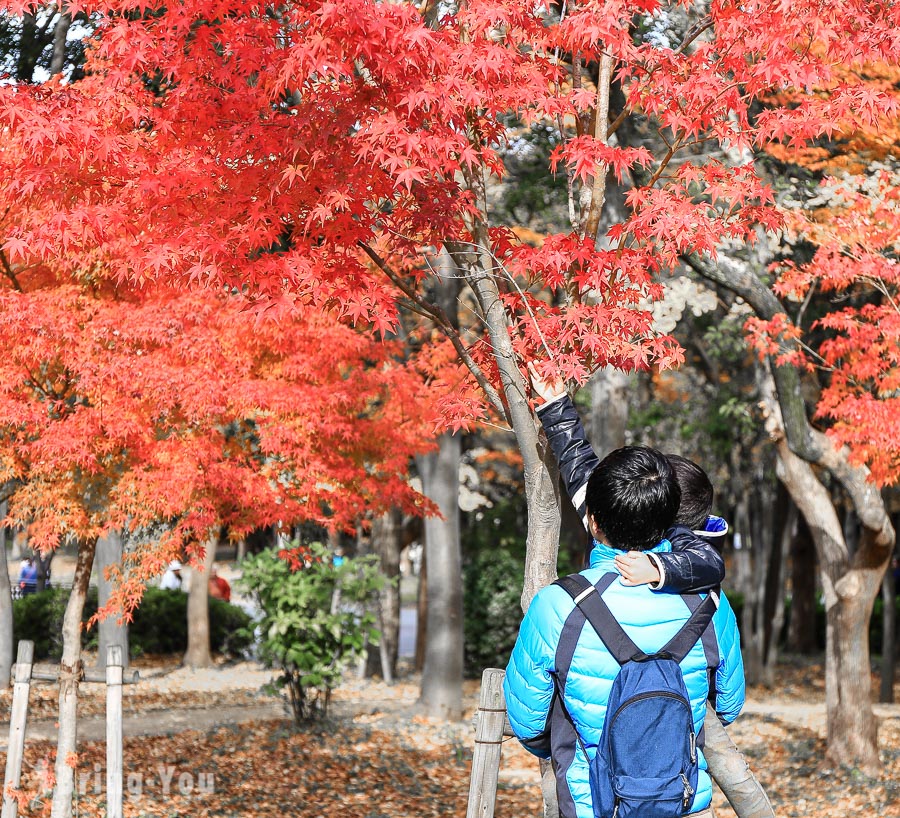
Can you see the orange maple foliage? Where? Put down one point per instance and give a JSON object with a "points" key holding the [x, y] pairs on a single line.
{"points": [[170, 413], [853, 226], [310, 155], [857, 341]]}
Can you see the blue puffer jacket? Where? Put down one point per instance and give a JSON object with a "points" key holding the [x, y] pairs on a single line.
{"points": [[650, 619]]}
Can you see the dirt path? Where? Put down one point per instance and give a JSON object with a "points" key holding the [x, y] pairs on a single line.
{"points": [[171, 700]]}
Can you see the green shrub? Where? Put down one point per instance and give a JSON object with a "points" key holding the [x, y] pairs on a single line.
{"points": [[39, 618], [316, 619], [159, 625], [492, 609]]}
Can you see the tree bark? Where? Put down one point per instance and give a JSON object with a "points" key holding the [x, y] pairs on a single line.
{"points": [[198, 654], [888, 637], [775, 580], [109, 631], [802, 626], [70, 671], [849, 594], [422, 612], [7, 650], [608, 418], [387, 543], [60, 35], [442, 674]]}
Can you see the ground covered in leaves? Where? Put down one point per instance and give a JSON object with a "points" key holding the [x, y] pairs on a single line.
{"points": [[374, 757]]}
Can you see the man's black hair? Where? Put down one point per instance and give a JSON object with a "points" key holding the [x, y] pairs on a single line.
{"points": [[633, 497], [696, 492]]}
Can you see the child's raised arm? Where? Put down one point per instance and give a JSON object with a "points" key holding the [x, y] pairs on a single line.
{"points": [[568, 441], [692, 566]]}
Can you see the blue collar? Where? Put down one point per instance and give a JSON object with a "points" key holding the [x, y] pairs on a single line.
{"points": [[601, 553]]}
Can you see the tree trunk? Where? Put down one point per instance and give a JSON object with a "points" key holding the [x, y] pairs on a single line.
{"points": [[743, 580], [849, 583], [442, 674], [60, 36], [70, 670], [387, 543], [802, 627], [198, 654], [6, 610], [421, 613], [42, 563], [852, 727], [109, 631], [541, 478], [888, 636], [608, 418], [773, 581], [849, 595]]}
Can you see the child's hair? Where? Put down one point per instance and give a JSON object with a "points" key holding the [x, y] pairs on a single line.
{"points": [[633, 497], [696, 492]]}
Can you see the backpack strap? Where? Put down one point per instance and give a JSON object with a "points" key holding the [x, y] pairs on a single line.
{"points": [[588, 599], [681, 643], [710, 641]]}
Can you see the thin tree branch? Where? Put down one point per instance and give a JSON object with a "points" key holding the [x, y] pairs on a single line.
{"points": [[694, 32], [601, 120], [446, 326], [8, 271]]}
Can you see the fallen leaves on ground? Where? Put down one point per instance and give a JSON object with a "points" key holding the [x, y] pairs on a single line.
{"points": [[381, 760]]}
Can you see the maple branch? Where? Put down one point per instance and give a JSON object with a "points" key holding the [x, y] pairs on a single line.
{"points": [[601, 119], [614, 125], [664, 162], [509, 277], [689, 36], [434, 312], [806, 301], [8, 270], [880, 286], [694, 32]]}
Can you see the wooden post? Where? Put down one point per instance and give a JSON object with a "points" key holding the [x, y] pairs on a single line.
{"points": [[114, 772], [18, 716], [491, 718]]}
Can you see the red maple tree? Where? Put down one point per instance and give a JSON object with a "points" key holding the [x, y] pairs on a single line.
{"points": [[168, 414]]}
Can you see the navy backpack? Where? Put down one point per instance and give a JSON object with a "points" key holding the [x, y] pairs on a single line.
{"points": [[646, 765]]}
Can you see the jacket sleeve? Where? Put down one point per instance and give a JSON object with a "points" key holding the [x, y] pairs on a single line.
{"points": [[570, 446], [730, 672], [692, 566], [528, 685]]}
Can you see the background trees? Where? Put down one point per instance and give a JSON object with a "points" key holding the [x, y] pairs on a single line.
{"points": [[316, 157]]}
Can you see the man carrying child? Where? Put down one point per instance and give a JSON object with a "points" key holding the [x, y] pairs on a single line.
{"points": [[641, 554]]}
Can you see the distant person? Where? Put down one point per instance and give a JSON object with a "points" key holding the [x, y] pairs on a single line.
{"points": [[172, 579], [27, 577], [337, 558], [218, 586]]}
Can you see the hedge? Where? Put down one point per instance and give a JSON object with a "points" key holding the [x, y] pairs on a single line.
{"points": [[159, 624]]}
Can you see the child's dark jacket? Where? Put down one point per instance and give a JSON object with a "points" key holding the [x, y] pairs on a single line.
{"points": [[692, 566]]}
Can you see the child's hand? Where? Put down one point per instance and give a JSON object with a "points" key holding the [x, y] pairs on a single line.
{"points": [[636, 568], [545, 389]]}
